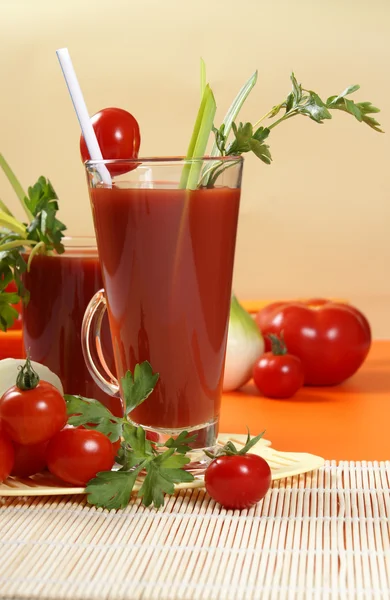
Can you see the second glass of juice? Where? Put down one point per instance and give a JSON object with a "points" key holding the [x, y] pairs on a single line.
{"points": [[166, 254], [61, 286]]}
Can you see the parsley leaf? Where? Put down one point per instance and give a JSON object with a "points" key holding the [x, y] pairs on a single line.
{"points": [[111, 489], [161, 475], [93, 415], [136, 388], [181, 443]]}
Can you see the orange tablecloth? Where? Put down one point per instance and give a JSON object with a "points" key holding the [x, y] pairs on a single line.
{"points": [[346, 422]]}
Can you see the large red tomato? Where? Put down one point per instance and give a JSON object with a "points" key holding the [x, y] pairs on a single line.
{"points": [[331, 339]]}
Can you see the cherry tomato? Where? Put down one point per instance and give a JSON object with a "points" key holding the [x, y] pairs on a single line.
{"points": [[32, 416], [238, 481], [29, 459], [118, 135], [77, 455], [331, 339], [7, 455], [278, 376]]}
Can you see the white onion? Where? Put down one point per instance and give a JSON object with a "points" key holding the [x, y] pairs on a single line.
{"points": [[245, 345], [9, 371]]}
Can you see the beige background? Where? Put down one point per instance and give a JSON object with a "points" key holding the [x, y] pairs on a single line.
{"points": [[314, 223]]}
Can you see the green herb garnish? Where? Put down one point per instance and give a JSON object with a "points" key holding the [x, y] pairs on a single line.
{"points": [[163, 468], [300, 101], [235, 139], [42, 233]]}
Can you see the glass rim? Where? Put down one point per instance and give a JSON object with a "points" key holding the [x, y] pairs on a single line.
{"points": [[164, 160], [79, 242]]}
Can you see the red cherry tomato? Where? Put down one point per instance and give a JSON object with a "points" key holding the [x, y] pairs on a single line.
{"points": [[32, 416], [118, 135], [278, 374], [77, 455], [29, 459], [7, 456], [331, 339], [238, 481]]}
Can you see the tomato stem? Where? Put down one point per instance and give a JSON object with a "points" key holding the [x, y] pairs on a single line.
{"points": [[27, 378], [278, 345]]}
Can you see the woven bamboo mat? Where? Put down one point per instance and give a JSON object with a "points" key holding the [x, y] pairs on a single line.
{"points": [[325, 534]]}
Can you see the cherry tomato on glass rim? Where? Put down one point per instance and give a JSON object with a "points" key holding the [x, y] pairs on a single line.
{"points": [[331, 339], [118, 135], [77, 455], [7, 455], [238, 479], [32, 411], [278, 374]]}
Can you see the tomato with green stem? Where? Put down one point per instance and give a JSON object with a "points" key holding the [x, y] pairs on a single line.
{"points": [[32, 411], [118, 135], [237, 479], [278, 374]]}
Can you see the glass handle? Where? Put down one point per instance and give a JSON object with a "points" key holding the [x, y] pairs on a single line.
{"points": [[92, 346]]}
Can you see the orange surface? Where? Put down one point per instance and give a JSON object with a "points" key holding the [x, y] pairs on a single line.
{"points": [[350, 421]]}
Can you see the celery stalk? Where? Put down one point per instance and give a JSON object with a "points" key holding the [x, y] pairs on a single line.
{"points": [[11, 223], [198, 143], [235, 108], [202, 77], [16, 186]]}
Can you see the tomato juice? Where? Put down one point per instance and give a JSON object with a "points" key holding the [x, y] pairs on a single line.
{"points": [[61, 287], [167, 261]]}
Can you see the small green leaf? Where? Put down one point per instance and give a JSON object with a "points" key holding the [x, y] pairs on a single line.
{"points": [[297, 90], [182, 443], [138, 387], [93, 415], [353, 109], [260, 150], [349, 90], [111, 489], [261, 134], [136, 438], [315, 108]]}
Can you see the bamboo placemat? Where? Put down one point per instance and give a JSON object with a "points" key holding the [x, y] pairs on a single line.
{"points": [[325, 534]]}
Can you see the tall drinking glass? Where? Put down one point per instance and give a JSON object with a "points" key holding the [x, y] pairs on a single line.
{"points": [[166, 256]]}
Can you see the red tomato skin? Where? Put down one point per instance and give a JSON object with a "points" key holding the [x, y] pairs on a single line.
{"points": [[118, 135], [331, 339], [278, 376], [77, 455], [239, 481], [7, 456], [33, 416], [29, 459]]}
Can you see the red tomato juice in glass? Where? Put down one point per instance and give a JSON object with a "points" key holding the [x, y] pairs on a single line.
{"points": [[61, 287], [167, 261]]}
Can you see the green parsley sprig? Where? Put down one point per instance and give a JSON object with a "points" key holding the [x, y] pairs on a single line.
{"points": [[163, 467], [300, 101], [235, 139], [42, 232]]}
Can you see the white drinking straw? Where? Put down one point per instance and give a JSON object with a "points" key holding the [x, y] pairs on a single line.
{"points": [[82, 112]]}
